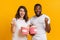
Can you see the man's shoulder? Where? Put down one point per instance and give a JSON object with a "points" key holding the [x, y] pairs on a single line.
{"points": [[45, 15], [32, 18]]}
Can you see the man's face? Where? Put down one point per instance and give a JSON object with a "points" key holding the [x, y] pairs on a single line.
{"points": [[38, 11]]}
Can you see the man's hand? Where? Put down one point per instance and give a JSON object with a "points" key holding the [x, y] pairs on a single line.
{"points": [[46, 20]]}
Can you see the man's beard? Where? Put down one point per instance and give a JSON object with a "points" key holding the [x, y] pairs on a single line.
{"points": [[37, 14]]}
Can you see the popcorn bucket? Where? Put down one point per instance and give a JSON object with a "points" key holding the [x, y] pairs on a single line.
{"points": [[24, 30], [32, 30]]}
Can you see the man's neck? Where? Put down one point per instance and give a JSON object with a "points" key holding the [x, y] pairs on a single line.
{"points": [[40, 15]]}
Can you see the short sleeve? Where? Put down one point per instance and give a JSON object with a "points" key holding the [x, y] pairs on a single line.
{"points": [[29, 22], [48, 19], [13, 20]]}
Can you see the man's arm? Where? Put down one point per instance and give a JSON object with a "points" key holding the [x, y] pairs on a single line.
{"points": [[47, 26]]}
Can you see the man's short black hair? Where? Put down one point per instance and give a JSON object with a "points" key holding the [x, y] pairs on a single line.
{"points": [[37, 5]]}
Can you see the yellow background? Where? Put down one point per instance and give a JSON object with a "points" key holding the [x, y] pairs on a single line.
{"points": [[8, 10]]}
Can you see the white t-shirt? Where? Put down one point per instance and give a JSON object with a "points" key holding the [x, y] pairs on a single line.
{"points": [[19, 23], [39, 22]]}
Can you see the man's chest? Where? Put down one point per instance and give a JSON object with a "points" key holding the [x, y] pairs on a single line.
{"points": [[40, 20]]}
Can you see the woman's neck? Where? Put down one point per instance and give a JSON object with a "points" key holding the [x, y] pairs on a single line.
{"points": [[21, 18]]}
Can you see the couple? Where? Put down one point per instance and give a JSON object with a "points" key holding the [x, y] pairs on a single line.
{"points": [[41, 21]]}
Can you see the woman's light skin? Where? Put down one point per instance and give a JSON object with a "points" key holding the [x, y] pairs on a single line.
{"points": [[22, 13]]}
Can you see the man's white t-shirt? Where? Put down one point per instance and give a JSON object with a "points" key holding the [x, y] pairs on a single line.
{"points": [[39, 22]]}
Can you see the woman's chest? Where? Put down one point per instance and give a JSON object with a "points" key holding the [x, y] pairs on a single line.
{"points": [[20, 23]]}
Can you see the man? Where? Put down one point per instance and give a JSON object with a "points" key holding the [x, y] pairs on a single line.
{"points": [[42, 23]]}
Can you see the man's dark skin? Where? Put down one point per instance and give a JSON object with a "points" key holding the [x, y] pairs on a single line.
{"points": [[38, 10]]}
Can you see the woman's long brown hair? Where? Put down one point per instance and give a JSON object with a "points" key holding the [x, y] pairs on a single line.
{"points": [[17, 16]]}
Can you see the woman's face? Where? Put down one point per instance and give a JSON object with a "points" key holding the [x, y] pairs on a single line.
{"points": [[22, 12]]}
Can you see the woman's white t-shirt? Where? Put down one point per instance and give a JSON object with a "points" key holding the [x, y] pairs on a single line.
{"points": [[19, 23]]}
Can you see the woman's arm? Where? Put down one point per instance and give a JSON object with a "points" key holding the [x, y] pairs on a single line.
{"points": [[13, 25]]}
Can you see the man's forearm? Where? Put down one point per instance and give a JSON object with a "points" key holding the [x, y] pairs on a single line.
{"points": [[47, 28]]}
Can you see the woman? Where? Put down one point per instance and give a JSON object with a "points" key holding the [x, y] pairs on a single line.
{"points": [[20, 20]]}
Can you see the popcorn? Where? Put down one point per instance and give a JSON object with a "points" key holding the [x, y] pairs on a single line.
{"points": [[33, 30], [24, 30]]}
